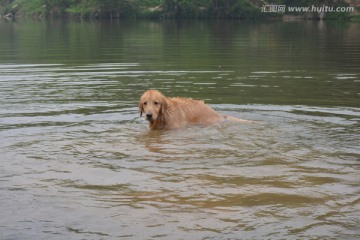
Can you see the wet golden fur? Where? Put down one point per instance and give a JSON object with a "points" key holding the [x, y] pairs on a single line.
{"points": [[171, 113]]}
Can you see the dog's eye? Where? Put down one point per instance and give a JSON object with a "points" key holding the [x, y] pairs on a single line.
{"points": [[145, 103], [156, 103]]}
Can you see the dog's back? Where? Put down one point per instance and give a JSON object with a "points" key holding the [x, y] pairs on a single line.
{"points": [[189, 111]]}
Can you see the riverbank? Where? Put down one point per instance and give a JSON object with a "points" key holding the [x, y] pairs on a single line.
{"points": [[131, 9], [174, 9]]}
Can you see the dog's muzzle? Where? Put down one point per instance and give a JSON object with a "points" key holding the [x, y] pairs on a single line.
{"points": [[149, 116]]}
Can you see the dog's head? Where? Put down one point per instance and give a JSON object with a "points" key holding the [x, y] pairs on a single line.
{"points": [[153, 103]]}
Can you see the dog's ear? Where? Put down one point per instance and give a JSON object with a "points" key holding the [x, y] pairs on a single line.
{"points": [[141, 108], [164, 105]]}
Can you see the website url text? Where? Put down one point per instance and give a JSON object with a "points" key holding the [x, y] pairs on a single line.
{"points": [[282, 9]]}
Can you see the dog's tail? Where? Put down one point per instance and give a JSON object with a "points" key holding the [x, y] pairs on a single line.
{"points": [[235, 119]]}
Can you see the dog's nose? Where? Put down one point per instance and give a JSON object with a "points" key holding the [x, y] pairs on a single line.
{"points": [[149, 116]]}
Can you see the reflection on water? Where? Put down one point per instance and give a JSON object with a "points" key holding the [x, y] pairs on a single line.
{"points": [[78, 162]]}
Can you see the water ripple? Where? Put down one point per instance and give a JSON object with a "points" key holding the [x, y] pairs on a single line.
{"points": [[73, 147]]}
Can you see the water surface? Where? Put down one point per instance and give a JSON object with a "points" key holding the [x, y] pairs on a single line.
{"points": [[77, 161]]}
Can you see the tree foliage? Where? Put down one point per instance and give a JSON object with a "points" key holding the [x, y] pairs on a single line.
{"points": [[148, 8]]}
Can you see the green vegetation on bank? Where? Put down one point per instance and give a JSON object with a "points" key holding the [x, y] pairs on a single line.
{"points": [[207, 9]]}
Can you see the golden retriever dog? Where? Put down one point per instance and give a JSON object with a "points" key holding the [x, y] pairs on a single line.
{"points": [[172, 113]]}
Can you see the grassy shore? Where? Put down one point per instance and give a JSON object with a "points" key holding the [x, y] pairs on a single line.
{"points": [[197, 9]]}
